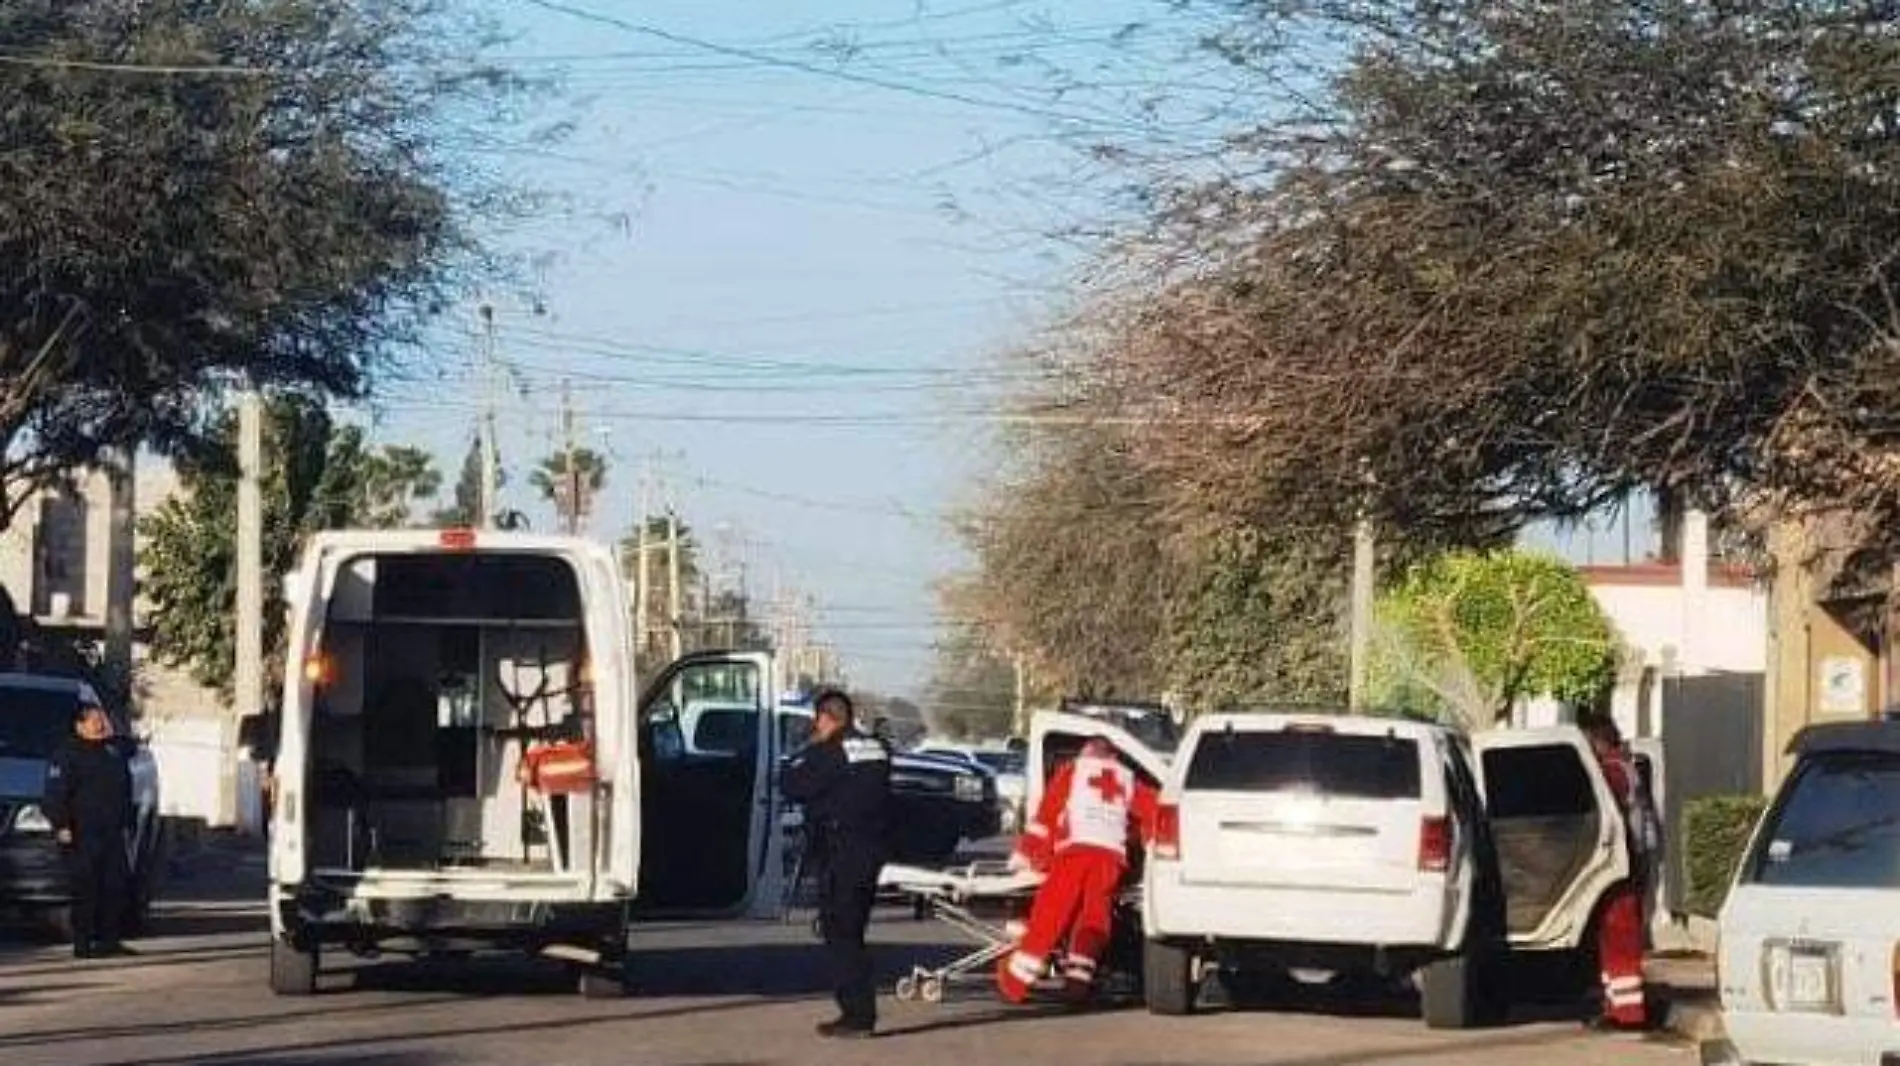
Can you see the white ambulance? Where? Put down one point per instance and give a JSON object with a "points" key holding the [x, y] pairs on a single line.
{"points": [[467, 762]]}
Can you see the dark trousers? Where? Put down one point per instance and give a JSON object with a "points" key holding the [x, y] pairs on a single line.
{"points": [[99, 881], [847, 893]]}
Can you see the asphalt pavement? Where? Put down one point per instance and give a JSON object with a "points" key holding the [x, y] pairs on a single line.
{"points": [[711, 994]]}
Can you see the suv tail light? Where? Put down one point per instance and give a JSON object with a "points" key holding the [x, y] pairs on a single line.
{"points": [[1167, 831], [1434, 845]]}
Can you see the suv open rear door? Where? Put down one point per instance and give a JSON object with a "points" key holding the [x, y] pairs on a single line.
{"points": [[1558, 830]]}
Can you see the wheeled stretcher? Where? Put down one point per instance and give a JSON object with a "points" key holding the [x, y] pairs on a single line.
{"points": [[985, 902], [982, 901]]}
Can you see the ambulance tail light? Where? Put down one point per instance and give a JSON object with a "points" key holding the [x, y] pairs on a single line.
{"points": [[1434, 845], [1168, 831]]}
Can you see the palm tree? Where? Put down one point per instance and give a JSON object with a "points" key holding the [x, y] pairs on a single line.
{"points": [[571, 492]]}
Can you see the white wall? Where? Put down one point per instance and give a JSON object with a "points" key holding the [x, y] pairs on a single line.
{"points": [[1681, 632]]}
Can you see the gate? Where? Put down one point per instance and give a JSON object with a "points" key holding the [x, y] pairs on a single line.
{"points": [[1712, 737]]}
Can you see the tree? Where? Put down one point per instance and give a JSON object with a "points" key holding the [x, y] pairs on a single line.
{"points": [[972, 690], [198, 194], [1470, 635], [571, 489], [317, 475], [1494, 262]]}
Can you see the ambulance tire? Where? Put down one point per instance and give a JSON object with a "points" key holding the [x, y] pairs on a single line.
{"points": [[1168, 982], [293, 971]]}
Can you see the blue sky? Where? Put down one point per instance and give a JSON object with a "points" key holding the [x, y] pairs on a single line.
{"points": [[795, 273]]}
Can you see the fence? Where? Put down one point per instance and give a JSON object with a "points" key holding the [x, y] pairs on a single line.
{"points": [[1712, 734]]}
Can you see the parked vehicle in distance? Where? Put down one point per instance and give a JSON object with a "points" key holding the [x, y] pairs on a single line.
{"points": [[940, 802], [1295, 847], [36, 716], [1809, 966], [1005, 766]]}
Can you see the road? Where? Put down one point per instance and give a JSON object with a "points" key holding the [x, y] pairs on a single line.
{"points": [[712, 995]]}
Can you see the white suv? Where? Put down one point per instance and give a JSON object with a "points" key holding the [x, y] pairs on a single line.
{"points": [[1332, 844], [1809, 967]]}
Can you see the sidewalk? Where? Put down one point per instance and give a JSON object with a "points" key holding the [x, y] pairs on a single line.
{"points": [[1685, 984]]}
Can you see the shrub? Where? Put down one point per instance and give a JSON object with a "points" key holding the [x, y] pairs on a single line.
{"points": [[1716, 830]]}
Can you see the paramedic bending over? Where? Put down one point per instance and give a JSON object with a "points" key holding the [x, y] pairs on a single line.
{"points": [[843, 779]]}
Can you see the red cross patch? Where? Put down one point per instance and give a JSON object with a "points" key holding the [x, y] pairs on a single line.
{"points": [[1108, 785]]}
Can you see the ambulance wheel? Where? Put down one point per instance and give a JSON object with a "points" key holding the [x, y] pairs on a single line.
{"points": [[932, 990], [906, 989], [292, 972], [1168, 981]]}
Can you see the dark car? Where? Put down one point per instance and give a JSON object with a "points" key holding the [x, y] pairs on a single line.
{"points": [[940, 803], [36, 715]]}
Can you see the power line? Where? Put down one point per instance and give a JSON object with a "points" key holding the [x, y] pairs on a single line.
{"points": [[765, 59]]}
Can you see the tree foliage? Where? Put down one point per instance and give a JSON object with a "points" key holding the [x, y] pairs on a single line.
{"points": [[317, 475], [571, 481], [1470, 635], [196, 194], [972, 689], [1474, 264]]}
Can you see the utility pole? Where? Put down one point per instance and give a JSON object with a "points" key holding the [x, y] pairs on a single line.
{"points": [[642, 588], [248, 683], [1362, 585], [1021, 728], [1363, 577], [571, 518], [491, 453], [673, 583], [122, 560]]}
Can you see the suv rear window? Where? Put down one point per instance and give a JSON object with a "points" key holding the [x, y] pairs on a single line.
{"points": [[1548, 781], [1335, 764], [1837, 825], [33, 721]]}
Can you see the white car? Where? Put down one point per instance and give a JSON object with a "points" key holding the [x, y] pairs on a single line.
{"points": [[1309, 845], [1809, 961]]}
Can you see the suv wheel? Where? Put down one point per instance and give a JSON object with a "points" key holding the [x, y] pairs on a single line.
{"points": [[1168, 979], [292, 972]]}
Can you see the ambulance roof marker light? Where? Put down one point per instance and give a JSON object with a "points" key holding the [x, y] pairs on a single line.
{"points": [[461, 540]]}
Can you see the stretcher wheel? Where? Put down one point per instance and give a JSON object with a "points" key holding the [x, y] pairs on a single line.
{"points": [[906, 989], [932, 990]]}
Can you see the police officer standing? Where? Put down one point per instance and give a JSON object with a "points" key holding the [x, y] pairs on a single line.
{"points": [[843, 779], [89, 802]]}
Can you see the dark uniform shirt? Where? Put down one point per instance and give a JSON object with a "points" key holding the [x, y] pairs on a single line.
{"points": [[89, 789], [844, 784]]}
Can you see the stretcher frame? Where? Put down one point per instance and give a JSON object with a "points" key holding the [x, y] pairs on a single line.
{"points": [[952, 897]]}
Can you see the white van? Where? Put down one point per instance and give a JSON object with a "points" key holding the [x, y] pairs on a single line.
{"points": [[1319, 844], [421, 665]]}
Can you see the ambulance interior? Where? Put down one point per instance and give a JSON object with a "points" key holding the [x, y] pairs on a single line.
{"points": [[434, 672]]}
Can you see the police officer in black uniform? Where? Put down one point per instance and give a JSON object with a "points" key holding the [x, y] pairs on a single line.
{"points": [[89, 802], [843, 779]]}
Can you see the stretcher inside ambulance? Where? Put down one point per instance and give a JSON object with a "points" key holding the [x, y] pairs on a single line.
{"points": [[464, 763]]}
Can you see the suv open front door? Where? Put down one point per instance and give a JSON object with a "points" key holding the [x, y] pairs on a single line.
{"points": [[709, 786], [1558, 830]]}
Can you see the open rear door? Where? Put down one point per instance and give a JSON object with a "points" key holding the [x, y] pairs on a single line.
{"points": [[709, 791], [307, 595], [1558, 830]]}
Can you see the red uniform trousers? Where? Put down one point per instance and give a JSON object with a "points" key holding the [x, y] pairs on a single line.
{"points": [[1620, 944], [1077, 899]]}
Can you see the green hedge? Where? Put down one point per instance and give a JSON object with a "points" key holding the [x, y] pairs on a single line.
{"points": [[1716, 831]]}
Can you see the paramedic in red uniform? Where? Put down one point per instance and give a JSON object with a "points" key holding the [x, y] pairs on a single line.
{"points": [[1079, 838], [1620, 935]]}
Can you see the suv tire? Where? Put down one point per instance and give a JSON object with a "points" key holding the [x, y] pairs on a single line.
{"points": [[1168, 982], [292, 972]]}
